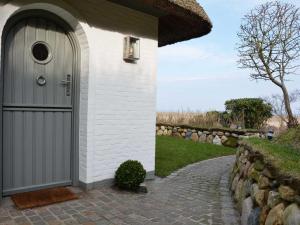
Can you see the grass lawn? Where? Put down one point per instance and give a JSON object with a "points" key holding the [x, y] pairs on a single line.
{"points": [[174, 153], [281, 156], [290, 138]]}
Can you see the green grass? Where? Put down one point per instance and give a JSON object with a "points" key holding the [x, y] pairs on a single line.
{"points": [[290, 138], [281, 156], [174, 153]]}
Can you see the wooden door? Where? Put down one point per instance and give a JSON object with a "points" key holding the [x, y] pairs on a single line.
{"points": [[37, 106]]}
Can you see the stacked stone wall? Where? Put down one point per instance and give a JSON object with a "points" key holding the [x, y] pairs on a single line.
{"points": [[264, 196], [217, 136]]}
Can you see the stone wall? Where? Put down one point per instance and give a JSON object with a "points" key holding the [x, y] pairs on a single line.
{"points": [[217, 136], [264, 196]]}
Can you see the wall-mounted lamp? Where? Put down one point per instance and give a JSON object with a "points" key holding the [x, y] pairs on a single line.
{"points": [[131, 49], [270, 135]]}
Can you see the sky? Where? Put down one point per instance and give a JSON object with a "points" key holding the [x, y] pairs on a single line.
{"points": [[201, 74]]}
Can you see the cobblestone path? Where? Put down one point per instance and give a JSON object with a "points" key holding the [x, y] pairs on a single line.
{"points": [[196, 194]]}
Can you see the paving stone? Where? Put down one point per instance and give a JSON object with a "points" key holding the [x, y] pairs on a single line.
{"points": [[22, 220], [29, 213], [14, 213], [63, 216], [55, 222], [102, 222], [39, 223], [70, 211], [4, 219], [35, 219], [196, 194], [70, 222]]}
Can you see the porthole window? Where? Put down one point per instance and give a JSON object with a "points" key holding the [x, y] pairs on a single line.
{"points": [[41, 52]]}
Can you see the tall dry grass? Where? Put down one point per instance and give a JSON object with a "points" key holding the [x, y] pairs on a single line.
{"points": [[199, 119], [278, 124], [211, 120]]}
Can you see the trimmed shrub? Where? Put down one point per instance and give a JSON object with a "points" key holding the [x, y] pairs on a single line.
{"points": [[130, 175]]}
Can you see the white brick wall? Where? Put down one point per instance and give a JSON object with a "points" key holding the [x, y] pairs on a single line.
{"points": [[121, 95], [117, 107]]}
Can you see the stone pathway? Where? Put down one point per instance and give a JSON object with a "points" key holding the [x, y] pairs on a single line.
{"points": [[196, 194]]}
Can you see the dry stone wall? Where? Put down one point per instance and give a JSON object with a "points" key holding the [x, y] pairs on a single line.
{"points": [[216, 136], [263, 195]]}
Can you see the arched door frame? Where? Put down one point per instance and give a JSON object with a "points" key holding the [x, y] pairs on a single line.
{"points": [[75, 87]]}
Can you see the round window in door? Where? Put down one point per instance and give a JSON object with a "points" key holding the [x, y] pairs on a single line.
{"points": [[41, 52]]}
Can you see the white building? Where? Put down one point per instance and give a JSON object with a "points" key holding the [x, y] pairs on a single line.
{"points": [[79, 86]]}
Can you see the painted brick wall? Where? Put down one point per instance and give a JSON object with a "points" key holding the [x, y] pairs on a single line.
{"points": [[121, 109], [117, 99]]}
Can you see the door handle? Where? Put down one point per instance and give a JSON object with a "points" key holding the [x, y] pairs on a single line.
{"points": [[67, 83]]}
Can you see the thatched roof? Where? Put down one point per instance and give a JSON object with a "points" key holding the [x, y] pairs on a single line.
{"points": [[184, 20], [179, 20]]}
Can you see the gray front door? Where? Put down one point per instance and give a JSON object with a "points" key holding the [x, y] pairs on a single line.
{"points": [[37, 106]]}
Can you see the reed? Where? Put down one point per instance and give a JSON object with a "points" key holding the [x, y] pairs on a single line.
{"points": [[200, 119]]}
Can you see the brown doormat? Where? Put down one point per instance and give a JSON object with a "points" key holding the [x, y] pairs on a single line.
{"points": [[42, 197]]}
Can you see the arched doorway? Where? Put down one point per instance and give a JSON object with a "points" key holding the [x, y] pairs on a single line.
{"points": [[40, 72]]}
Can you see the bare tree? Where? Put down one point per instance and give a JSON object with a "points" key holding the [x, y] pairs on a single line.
{"points": [[270, 46], [278, 105]]}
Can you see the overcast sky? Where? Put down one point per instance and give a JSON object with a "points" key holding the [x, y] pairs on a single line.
{"points": [[201, 74]]}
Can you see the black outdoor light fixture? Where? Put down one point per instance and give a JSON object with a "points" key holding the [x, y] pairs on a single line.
{"points": [[270, 135], [131, 49]]}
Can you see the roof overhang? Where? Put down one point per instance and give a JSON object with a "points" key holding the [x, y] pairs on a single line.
{"points": [[179, 20]]}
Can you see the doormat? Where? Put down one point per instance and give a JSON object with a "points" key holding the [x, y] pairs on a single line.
{"points": [[43, 197]]}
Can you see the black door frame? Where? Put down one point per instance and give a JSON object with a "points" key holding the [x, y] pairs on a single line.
{"points": [[75, 86]]}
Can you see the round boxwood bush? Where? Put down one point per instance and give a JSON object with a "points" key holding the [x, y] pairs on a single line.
{"points": [[130, 175]]}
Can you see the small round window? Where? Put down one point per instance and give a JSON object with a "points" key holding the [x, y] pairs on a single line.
{"points": [[41, 52]]}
